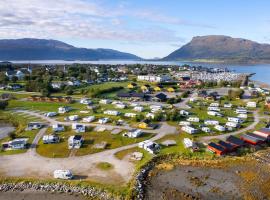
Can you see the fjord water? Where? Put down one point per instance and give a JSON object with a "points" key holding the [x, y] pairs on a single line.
{"points": [[262, 71]]}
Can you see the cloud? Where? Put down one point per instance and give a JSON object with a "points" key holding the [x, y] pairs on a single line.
{"points": [[81, 19]]}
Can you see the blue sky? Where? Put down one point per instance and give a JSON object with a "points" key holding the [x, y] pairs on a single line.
{"points": [[147, 28]]}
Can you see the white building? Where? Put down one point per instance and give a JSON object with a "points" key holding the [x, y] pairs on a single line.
{"points": [[120, 106], [184, 123], [73, 117], [251, 104], [75, 142], [149, 146], [50, 139], [111, 112], [58, 127], [213, 113], [206, 129], [235, 119], [220, 128], [134, 133], [214, 104], [79, 128], [19, 143], [154, 78], [241, 111], [189, 129], [213, 109], [193, 119], [88, 119], [103, 120], [64, 109], [131, 115], [188, 143], [232, 124], [184, 113], [211, 122], [138, 108], [86, 101]]}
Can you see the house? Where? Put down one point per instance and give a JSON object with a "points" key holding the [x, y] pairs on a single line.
{"points": [[236, 142], [220, 128], [149, 146], [214, 113], [154, 78], [160, 97], [138, 108], [206, 129], [232, 124], [64, 109], [72, 118], [226, 145], [215, 148], [50, 114], [111, 112], [75, 142], [170, 89], [103, 120], [189, 129], [227, 105], [235, 119], [184, 113], [86, 101], [193, 119], [211, 122], [213, 109], [50, 139], [251, 104], [58, 127], [184, 123], [252, 138], [241, 111], [150, 115], [131, 85], [79, 128], [105, 101], [134, 133], [131, 115], [89, 119], [19, 143], [264, 132], [34, 125], [120, 105]]}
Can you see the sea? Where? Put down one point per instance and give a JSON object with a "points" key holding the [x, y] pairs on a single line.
{"points": [[261, 71]]}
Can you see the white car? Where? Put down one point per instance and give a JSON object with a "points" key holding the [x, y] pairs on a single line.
{"points": [[63, 174]]}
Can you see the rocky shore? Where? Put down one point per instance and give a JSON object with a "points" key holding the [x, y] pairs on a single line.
{"points": [[55, 188]]}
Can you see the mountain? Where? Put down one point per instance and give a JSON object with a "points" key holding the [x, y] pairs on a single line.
{"points": [[41, 49], [222, 48]]}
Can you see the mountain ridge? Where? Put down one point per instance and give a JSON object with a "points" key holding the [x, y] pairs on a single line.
{"points": [[48, 49]]}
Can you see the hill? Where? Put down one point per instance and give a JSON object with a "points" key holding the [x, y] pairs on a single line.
{"points": [[41, 49], [222, 48]]}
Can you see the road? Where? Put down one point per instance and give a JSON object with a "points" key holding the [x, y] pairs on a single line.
{"points": [[31, 164]]}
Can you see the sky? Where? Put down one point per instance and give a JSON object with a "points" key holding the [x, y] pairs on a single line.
{"points": [[147, 28]]}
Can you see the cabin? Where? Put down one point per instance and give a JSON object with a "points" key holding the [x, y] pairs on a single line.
{"points": [[103, 120], [193, 119], [253, 139], [120, 105], [75, 142], [73, 117], [58, 127], [214, 104], [130, 115], [138, 108], [184, 113], [189, 129], [220, 128], [206, 129], [211, 122], [64, 109], [131, 85], [88, 119], [86, 101], [50, 139], [79, 128], [235, 141], [149, 146], [214, 113], [251, 104], [34, 125], [134, 133], [241, 111], [226, 145], [211, 108], [157, 89], [171, 89], [215, 148], [184, 123], [232, 124], [235, 119], [264, 132], [112, 112]]}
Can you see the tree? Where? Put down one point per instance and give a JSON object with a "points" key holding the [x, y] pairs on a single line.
{"points": [[69, 92], [3, 105], [14, 79]]}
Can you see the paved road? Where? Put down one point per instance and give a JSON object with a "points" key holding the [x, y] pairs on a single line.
{"points": [[224, 136], [31, 164]]}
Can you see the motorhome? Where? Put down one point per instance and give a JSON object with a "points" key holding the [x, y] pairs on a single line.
{"points": [[63, 174]]}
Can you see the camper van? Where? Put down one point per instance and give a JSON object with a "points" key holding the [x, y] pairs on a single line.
{"points": [[63, 174]]}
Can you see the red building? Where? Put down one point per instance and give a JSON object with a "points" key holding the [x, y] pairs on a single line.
{"points": [[215, 148], [264, 132], [252, 138]]}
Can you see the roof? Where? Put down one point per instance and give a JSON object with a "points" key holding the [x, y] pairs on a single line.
{"points": [[253, 137], [264, 130], [161, 96], [234, 140], [225, 144], [216, 146]]}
